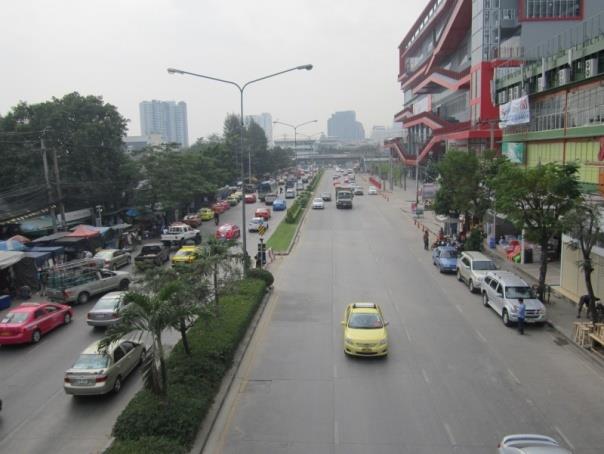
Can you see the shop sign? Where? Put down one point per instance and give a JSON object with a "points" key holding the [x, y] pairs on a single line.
{"points": [[514, 151], [515, 112]]}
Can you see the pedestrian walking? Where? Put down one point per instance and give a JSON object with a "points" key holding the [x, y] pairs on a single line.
{"points": [[426, 240], [216, 218], [521, 315], [584, 301]]}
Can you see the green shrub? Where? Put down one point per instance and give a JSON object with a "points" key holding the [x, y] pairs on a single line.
{"points": [[293, 213], [193, 381], [264, 275], [146, 445]]}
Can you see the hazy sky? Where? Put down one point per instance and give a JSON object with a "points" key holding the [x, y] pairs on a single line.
{"points": [[120, 49]]}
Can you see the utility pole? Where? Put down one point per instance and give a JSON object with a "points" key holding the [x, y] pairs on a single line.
{"points": [[417, 179], [59, 191], [390, 176], [51, 204]]}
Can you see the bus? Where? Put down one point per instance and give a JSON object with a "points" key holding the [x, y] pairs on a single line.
{"points": [[267, 187]]}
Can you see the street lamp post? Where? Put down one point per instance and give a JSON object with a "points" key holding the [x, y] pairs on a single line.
{"points": [[295, 129], [241, 89]]}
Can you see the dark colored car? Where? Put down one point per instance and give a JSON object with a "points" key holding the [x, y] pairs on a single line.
{"points": [[152, 254]]}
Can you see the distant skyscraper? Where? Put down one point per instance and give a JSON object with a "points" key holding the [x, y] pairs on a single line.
{"points": [[344, 126], [167, 118], [265, 121]]}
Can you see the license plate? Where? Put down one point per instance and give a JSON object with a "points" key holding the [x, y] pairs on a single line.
{"points": [[80, 382], [366, 349]]}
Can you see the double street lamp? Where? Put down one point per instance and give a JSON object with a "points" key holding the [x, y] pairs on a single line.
{"points": [[295, 127], [241, 89]]}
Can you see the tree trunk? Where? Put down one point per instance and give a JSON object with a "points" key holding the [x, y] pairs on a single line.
{"points": [[587, 270], [162, 366], [543, 267], [183, 335], [216, 286]]}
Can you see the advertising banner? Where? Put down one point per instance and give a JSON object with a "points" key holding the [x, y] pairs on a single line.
{"points": [[514, 151], [515, 112]]}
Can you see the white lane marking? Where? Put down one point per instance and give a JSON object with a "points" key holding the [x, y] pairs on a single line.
{"points": [[458, 307], [335, 371], [513, 375], [530, 402], [425, 374], [336, 433], [564, 437], [407, 333], [450, 434], [480, 336]]}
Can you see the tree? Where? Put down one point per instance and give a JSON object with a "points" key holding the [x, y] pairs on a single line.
{"points": [[583, 224], [148, 314], [535, 199]]}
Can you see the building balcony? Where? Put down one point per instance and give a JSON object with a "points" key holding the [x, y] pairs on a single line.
{"points": [[440, 79]]}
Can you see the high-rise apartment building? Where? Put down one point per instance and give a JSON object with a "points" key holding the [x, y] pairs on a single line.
{"points": [[447, 63], [265, 121], [167, 118], [345, 127]]}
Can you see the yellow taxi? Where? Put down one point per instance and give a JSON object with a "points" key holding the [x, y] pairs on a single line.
{"points": [[238, 194], [233, 200], [186, 254], [365, 331], [206, 214]]}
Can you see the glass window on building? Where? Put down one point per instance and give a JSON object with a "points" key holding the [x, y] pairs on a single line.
{"points": [[563, 9]]}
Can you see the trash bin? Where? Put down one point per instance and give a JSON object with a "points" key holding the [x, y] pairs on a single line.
{"points": [[5, 301], [528, 256]]}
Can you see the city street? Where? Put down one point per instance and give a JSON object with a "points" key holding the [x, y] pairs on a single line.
{"points": [[456, 379], [37, 415]]}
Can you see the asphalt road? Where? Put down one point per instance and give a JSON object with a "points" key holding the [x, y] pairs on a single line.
{"points": [[37, 415], [456, 379]]}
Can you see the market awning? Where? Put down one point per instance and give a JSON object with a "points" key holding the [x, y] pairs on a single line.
{"points": [[84, 231], [39, 258], [9, 258], [50, 238], [11, 245]]}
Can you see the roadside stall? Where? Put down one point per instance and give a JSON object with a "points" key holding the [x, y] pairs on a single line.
{"points": [[28, 270], [8, 286]]}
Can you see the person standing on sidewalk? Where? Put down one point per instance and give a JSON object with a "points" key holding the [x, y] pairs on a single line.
{"points": [[426, 240], [521, 315], [584, 301]]}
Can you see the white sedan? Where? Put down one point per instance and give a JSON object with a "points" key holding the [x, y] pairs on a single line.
{"points": [[318, 204], [255, 223], [372, 190]]}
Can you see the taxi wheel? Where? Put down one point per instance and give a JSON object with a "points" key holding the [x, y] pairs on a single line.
{"points": [[67, 318], [36, 336]]}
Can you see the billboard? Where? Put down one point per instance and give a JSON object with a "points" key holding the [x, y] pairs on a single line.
{"points": [[514, 151], [515, 112]]}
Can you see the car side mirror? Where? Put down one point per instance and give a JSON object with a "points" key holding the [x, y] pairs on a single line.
{"points": [[386, 323], [343, 323]]}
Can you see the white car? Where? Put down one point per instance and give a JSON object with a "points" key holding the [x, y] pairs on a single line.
{"points": [[255, 224], [530, 443], [318, 204], [372, 190], [290, 194]]}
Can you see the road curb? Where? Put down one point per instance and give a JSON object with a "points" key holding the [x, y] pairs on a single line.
{"points": [[209, 421]]}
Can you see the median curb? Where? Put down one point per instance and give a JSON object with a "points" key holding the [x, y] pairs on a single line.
{"points": [[209, 421]]}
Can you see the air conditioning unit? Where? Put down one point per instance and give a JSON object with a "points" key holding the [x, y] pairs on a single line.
{"points": [[563, 76], [591, 67], [540, 83]]}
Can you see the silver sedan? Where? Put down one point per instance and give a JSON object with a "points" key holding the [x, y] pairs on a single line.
{"points": [[106, 310]]}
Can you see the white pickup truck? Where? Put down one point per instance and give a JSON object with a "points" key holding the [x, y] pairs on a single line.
{"points": [[180, 233]]}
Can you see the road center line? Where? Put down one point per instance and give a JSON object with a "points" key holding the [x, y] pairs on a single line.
{"points": [[513, 375], [458, 307], [566, 440], [449, 434], [481, 337], [336, 433], [407, 333], [425, 374]]}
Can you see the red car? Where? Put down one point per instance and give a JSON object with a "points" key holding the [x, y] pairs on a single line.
{"points": [[224, 204], [192, 219], [227, 232], [250, 198], [263, 213], [27, 322], [218, 207]]}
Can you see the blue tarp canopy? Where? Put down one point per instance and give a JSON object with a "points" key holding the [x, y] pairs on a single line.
{"points": [[133, 212], [54, 250], [11, 245], [39, 258]]}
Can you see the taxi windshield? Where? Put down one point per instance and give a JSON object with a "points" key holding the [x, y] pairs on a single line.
{"points": [[365, 320]]}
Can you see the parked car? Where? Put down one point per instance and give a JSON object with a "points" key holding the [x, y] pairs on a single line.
{"points": [[29, 321], [250, 198], [290, 193], [445, 258], [225, 205], [218, 207], [264, 213], [326, 196], [77, 286], [152, 254], [228, 232], [192, 220], [318, 204], [530, 443], [365, 332], [106, 311], [186, 254], [372, 190], [279, 205], [206, 214], [472, 267], [179, 233], [96, 372], [501, 290], [113, 258], [233, 200], [255, 224]]}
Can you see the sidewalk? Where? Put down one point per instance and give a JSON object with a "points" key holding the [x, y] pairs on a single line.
{"points": [[561, 309]]}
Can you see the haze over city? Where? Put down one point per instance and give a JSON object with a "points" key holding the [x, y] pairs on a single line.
{"points": [[121, 50]]}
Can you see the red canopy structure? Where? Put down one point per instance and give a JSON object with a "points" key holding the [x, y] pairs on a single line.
{"points": [[84, 231], [20, 239]]}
